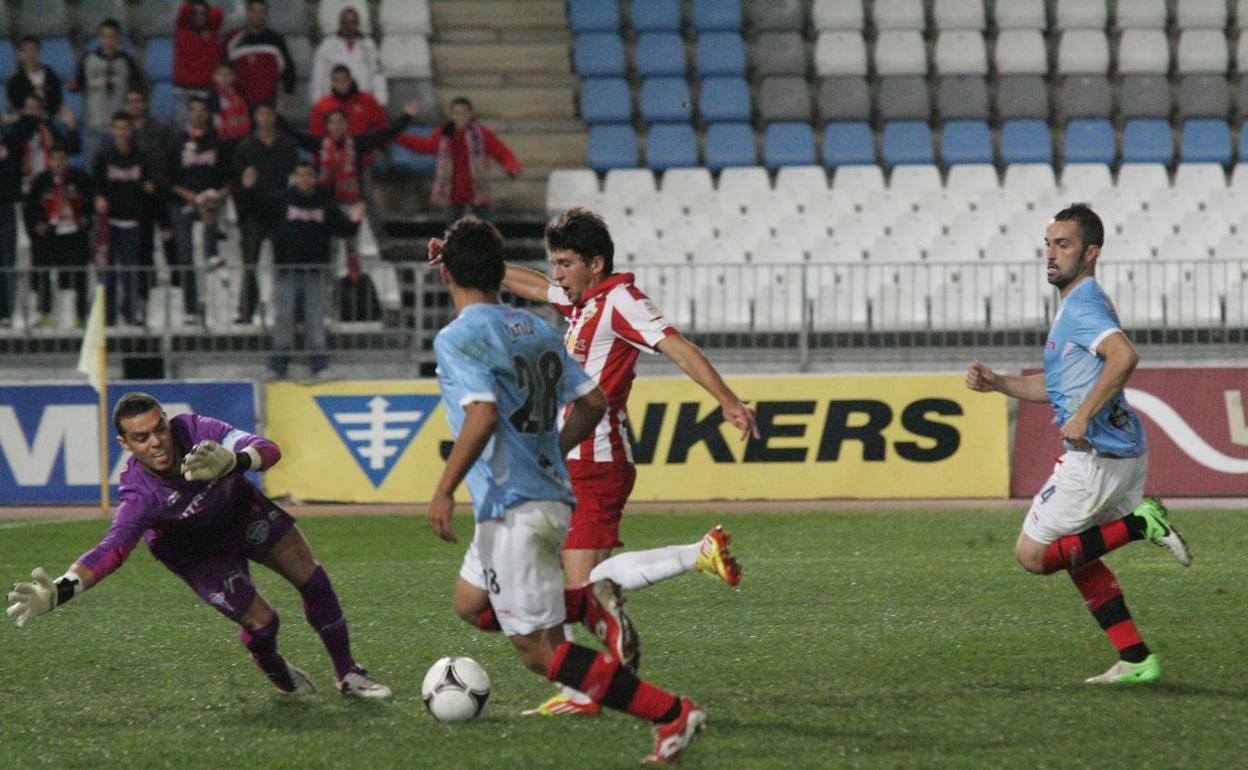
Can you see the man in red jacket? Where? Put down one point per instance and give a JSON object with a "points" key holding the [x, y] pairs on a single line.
{"points": [[196, 51], [261, 60], [464, 148], [364, 113]]}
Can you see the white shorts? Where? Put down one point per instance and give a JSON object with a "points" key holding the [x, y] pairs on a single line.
{"points": [[516, 561], [1085, 490]]}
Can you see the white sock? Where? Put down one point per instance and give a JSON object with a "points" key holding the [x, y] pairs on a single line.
{"points": [[637, 569]]}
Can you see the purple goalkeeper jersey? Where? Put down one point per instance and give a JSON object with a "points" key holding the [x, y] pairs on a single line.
{"points": [[190, 516]]}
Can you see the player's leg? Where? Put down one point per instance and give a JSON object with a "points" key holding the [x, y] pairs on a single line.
{"points": [[258, 634], [632, 570]]}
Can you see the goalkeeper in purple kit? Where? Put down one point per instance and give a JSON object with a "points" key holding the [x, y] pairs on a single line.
{"points": [[185, 493]]}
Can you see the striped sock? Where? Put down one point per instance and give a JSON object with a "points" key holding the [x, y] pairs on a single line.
{"points": [[1104, 599], [601, 677], [1092, 543]]}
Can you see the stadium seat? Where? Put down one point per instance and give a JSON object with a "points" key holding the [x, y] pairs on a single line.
{"points": [[741, 184], [1011, 14], [1142, 179], [593, 16], [724, 100], [783, 15], [659, 54], [966, 141], [900, 52], [630, 184], [327, 12], [959, 14], [1022, 96], [404, 90], [961, 52], [1026, 141], [1143, 52], [898, 14], [1086, 96], [1080, 14], [671, 145], [720, 53], [44, 19], [569, 187], [1203, 51], [1086, 51], [8, 57], [973, 180], [665, 100], [612, 147], [1202, 13], [1143, 14], [840, 53], [844, 98], [784, 99], [407, 17], [800, 182], [1089, 140], [1206, 140], [904, 98], [57, 54], [730, 144], [780, 53], [599, 54], [1083, 181], [1147, 141], [716, 16], [158, 58], [964, 97], [847, 144], [606, 100], [914, 180], [73, 100], [907, 141], [405, 56], [788, 144], [837, 15], [1021, 52], [155, 17], [1149, 227], [1204, 96], [655, 15], [161, 101], [1144, 96]]}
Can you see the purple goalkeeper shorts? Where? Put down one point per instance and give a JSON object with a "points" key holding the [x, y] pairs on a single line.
{"points": [[220, 574]]}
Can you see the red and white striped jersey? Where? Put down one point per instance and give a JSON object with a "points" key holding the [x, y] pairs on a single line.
{"points": [[612, 323]]}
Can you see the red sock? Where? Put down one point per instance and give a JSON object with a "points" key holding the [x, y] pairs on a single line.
{"points": [[605, 681], [1104, 599], [488, 621], [1089, 545], [574, 602]]}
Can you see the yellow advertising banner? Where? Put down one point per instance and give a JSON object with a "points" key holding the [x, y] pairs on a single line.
{"points": [[877, 436]]}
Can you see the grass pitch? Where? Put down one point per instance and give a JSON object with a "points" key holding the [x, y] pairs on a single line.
{"points": [[862, 640]]}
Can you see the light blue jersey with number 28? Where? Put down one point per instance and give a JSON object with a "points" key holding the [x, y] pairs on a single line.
{"points": [[509, 357]]}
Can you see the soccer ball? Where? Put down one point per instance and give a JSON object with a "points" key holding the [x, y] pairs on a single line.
{"points": [[455, 689]]}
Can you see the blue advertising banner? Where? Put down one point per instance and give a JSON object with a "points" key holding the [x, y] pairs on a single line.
{"points": [[49, 434]]}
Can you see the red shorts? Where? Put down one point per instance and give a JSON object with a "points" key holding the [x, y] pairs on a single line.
{"points": [[601, 490]]}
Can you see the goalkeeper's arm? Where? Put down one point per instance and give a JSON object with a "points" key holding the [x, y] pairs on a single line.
{"points": [[43, 594]]}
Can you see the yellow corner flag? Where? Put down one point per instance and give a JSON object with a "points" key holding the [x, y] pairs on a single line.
{"points": [[93, 362]]}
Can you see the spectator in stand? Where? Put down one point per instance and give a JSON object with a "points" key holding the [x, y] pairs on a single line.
{"points": [[464, 148], [155, 139], [13, 137], [305, 218], [122, 186], [349, 48], [104, 76], [199, 185], [47, 134], [364, 112], [273, 154], [231, 117], [196, 52], [58, 218], [260, 58], [33, 79]]}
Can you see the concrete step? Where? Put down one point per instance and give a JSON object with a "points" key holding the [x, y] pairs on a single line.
{"points": [[515, 104], [552, 150], [499, 14], [500, 79], [485, 35], [495, 58]]}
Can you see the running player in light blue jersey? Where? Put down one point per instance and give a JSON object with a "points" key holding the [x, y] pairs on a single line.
{"points": [[1093, 503], [504, 375]]}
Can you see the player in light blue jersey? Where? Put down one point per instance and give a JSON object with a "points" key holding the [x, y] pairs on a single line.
{"points": [[505, 375], [1093, 502]]}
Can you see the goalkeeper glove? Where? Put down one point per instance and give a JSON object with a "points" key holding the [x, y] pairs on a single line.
{"points": [[30, 600], [209, 460]]}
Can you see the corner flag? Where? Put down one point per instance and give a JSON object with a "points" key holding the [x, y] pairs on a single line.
{"points": [[93, 362]]}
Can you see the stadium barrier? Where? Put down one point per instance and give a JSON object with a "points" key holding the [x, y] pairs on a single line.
{"points": [[1194, 421]]}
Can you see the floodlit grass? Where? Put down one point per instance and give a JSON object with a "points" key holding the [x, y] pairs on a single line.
{"points": [[862, 640]]}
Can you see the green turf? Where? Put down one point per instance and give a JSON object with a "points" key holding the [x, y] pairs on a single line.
{"points": [[872, 640]]}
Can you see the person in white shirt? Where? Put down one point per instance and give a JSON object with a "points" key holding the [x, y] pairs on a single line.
{"points": [[352, 49]]}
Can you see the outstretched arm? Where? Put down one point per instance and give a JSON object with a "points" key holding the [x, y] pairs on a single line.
{"points": [[985, 380], [693, 362], [526, 282]]}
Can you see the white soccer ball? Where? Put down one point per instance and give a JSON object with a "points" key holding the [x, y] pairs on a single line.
{"points": [[455, 689]]}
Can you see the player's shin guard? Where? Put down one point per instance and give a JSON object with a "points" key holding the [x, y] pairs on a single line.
{"points": [[324, 613], [601, 677], [262, 644], [1091, 544], [574, 603], [1104, 599]]}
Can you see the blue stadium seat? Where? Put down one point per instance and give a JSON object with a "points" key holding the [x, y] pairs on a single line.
{"points": [[720, 53], [659, 54], [73, 100], [665, 100], [606, 100], [716, 15], [1026, 141], [730, 144], [1206, 141], [158, 58], [599, 54], [724, 99], [966, 141], [612, 147], [1243, 145], [161, 102], [58, 54], [593, 16], [656, 16], [907, 142], [1090, 140], [789, 144], [848, 144], [671, 145], [1147, 141], [8, 59], [403, 159]]}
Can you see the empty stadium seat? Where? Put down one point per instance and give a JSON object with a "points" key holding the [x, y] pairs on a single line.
{"points": [[408, 17], [1089, 140], [158, 58], [665, 100], [405, 56], [900, 52], [784, 98], [724, 100], [1204, 96], [1203, 51], [1143, 52], [606, 100], [785, 15], [671, 145], [716, 15], [1142, 179], [730, 144], [780, 53], [1021, 52], [42, 19], [973, 180], [612, 147], [837, 15], [1083, 181], [848, 143], [904, 98], [963, 97], [599, 54], [1144, 96], [593, 16], [788, 144], [1026, 141], [840, 53], [1145, 14], [660, 54], [907, 141], [57, 53], [1205, 140], [630, 184], [844, 98], [737, 186], [898, 14], [1011, 14], [569, 187], [1202, 13], [961, 52], [1022, 96], [655, 15], [154, 17], [160, 101], [959, 14], [1080, 14], [1086, 96], [1147, 141], [1086, 51], [914, 180], [1202, 179], [720, 53], [966, 141]]}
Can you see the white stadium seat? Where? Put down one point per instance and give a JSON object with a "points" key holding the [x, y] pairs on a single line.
{"points": [[1083, 181], [800, 181], [840, 53], [409, 17], [1203, 51], [1081, 14], [630, 184], [973, 179], [1143, 52], [898, 14], [900, 52], [1019, 14], [858, 178], [1021, 52], [837, 15], [915, 179], [961, 52], [569, 187], [1202, 13], [1086, 52], [959, 14], [406, 56], [1144, 14], [738, 185], [1203, 179]]}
